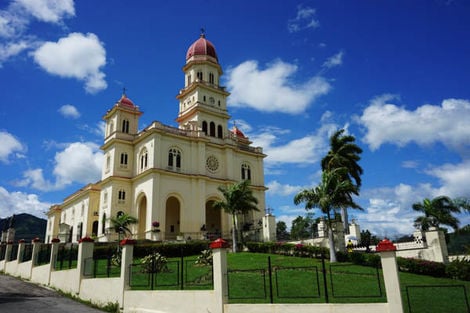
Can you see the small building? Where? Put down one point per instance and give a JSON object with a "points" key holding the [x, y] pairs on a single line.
{"points": [[167, 174]]}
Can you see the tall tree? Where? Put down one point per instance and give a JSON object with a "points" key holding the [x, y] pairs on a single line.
{"points": [[122, 222], [238, 199], [437, 211], [281, 231], [333, 192], [344, 153], [301, 228]]}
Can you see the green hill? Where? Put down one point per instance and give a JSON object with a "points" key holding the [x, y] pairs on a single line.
{"points": [[27, 226]]}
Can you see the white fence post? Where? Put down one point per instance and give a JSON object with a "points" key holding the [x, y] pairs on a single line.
{"points": [[390, 271], [219, 258], [127, 258]]}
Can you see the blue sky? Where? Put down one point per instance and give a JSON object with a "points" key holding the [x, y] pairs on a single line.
{"points": [[393, 73]]}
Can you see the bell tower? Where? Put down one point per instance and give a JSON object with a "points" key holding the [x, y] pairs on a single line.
{"points": [[202, 101]]}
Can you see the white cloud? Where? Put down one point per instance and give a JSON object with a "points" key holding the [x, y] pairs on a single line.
{"points": [[79, 162], [10, 49], [10, 146], [15, 20], [19, 202], [454, 179], [334, 60], [388, 123], [276, 188], [51, 11], [304, 150], [304, 19], [69, 111], [272, 89], [75, 56]]}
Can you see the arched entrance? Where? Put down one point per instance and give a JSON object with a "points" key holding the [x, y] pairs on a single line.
{"points": [[213, 221], [172, 218], [142, 218]]}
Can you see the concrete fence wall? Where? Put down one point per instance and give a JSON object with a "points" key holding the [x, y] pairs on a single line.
{"points": [[102, 291]]}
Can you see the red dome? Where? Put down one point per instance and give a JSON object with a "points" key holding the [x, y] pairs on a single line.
{"points": [[238, 132], [125, 101], [202, 46]]}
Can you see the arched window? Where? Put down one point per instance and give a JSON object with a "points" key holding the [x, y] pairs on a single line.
{"points": [[111, 128], [211, 78], [174, 159], [108, 163], [189, 79], [220, 133], [204, 98], [212, 129], [143, 159], [204, 127], [246, 172], [121, 196], [124, 159], [199, 75], [103, 223], [125, 126]]}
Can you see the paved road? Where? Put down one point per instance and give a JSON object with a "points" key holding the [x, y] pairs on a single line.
{"points": [[17, 296]]}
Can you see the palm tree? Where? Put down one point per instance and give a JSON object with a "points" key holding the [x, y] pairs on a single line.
{"points": [[344, 153], [437, 211], [238, 199], [122, 222], [333, 192]]}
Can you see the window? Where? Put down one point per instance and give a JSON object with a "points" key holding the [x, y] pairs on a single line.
{"points": [[103, 223], [220, 131], [212, 129], [246, 172], [211, 78], [121, 196], [174, 159], [199, 75], [143, 159], [111, 128], [204, 127], [204, 98], [124, 159], [125, 126], [108, 163], [189, 79]]}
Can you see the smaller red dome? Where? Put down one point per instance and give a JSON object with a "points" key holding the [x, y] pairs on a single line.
{"points": [[125, 101], [238, 132], [202, 46]]}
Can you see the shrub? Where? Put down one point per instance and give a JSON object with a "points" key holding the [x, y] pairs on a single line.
{"points": [[154, 263], [459, 269], [205, 258], [422, 267]]}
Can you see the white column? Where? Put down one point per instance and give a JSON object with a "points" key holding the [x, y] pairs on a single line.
{"points": [[127, 246], [219, 258], [390, 271]]}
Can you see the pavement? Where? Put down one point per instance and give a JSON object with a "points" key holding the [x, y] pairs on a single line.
{"points": [[18, 296]]}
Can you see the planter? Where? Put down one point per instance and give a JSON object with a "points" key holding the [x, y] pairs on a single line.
{"points": [[156, 236]]}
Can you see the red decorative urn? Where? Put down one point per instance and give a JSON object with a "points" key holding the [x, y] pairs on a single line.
{"points": [[386, 245], [219, 244]]}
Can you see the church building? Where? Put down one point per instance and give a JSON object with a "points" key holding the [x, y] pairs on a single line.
{"points": [[167, 177]]}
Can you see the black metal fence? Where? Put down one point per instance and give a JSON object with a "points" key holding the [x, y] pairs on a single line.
{"points": [[105, 263], [314, 283], [27, 253], [183, 273], [437, 299], [14, 252], [3, 250], [67, 256], [44, 254]]}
